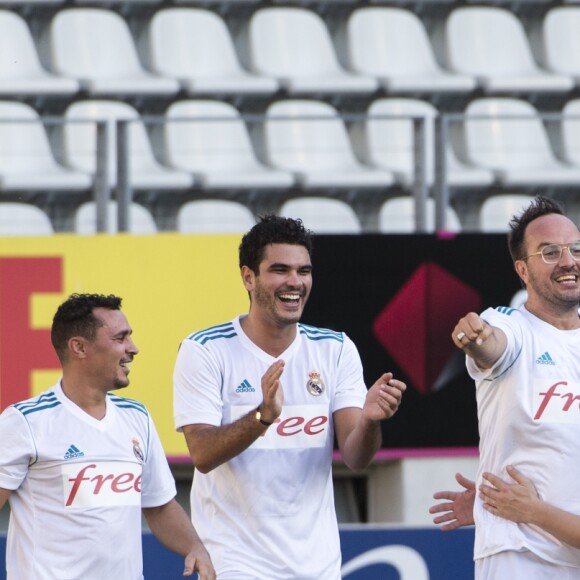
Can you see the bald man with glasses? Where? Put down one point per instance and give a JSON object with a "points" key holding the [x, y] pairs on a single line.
{"points": [[526, 366]]}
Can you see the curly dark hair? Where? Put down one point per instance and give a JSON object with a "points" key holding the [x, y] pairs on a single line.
{"points": [[272, 229], [75, 317], [539, 207]]}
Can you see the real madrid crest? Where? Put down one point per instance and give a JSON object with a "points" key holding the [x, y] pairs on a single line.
{"points": [[137, 450], [315, 386]]}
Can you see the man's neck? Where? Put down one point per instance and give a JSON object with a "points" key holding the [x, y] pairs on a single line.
{"points": [[561, 319], [273, 340], [92, 401]]}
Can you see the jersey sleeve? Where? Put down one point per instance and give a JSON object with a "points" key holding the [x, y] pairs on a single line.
{"points": [[196, 387], [351, 390], [17, 451], [510, 322], [158, 485]]}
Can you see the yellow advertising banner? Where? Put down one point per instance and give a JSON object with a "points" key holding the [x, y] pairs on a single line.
{"points": [[171, 285]]}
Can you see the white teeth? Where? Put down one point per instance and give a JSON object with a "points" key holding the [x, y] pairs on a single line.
{"points": [[567, 279], [289, 296]]}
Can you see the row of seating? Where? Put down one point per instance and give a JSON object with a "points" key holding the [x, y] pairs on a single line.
{"points": [[279, 48], [206, 145], [235, 4], [321, 214]]}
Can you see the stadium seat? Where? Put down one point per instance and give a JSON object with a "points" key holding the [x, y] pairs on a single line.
{"points": [[559, 41], [21, 72], [26, 158], [218, 3], [388, 143], [95, 46], [397, 216], [294, 45], [214, 216], [490, 43], [22, 219], [308, 138], [194, 46], [323, 215], [79, 145], [140, 220], [497, 211], [211, 140], [508, 137], [392, 45], [569, 142], [23, 3]]}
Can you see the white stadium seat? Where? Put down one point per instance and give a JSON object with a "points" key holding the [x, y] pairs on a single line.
{"points": [[80, 147], [140, 220], [397, 216], [323, 215], [294, 45], [490, 43], [508, 137], [22, 219], [497, 211], [21, 71], [214, 216], [194, 46], [210, 140], [392, 45], [309, 138], [26, 158], [95, 46], [386, 140], [570, 133], [559, 39]]}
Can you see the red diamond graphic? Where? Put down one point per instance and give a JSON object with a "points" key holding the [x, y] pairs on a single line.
{"points": [[415, 326]]}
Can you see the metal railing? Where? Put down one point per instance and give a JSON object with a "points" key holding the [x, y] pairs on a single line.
{"points": [[420, 188]]}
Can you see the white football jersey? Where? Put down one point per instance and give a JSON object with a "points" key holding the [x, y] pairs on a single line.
{"points": [[78, 487], [269, 512], [529, 417]]}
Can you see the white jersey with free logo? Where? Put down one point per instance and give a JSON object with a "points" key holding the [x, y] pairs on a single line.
{"points": [[79, 486], [529, 417], [107, 483], [269, 512]]}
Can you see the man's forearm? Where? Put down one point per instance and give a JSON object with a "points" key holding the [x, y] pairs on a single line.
{"points": [[211, 446]]}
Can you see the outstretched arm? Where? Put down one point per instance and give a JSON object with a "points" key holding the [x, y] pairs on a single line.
{"points": [[519, 502], [171, 526], [358, 432], [477, 339], [458, 510]]}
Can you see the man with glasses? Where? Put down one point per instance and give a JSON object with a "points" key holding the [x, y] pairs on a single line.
{"points": [[526, 366]]}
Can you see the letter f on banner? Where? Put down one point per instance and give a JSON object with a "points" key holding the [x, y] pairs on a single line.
{"points": [[22, 348]]}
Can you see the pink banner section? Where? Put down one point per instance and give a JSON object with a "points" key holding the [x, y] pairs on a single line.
{"points": [[385, 454]]}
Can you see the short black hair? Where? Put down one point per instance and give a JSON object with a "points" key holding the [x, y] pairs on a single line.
{"points": [[75, 317], [539, 207], [272, 229]]}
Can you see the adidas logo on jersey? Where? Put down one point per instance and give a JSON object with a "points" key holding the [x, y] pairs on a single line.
{"points": [[73, 452], [245, 387], [545, 359]]}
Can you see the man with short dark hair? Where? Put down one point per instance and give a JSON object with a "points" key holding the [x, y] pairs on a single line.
{"points": [[79, 464], [260, 400]]}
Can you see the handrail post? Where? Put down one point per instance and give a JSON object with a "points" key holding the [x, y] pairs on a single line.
{"points": [[441, 192], [101, 189], [419, 171], [124, 193]]}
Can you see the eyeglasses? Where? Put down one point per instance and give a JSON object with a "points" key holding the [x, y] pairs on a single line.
{"points": [[552, 253]]}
